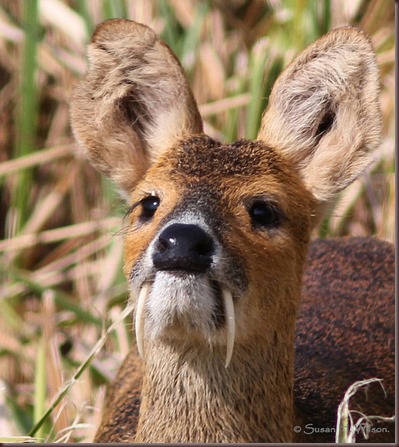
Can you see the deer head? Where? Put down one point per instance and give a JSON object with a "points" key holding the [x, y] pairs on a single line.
{"points": [[218, 233]]}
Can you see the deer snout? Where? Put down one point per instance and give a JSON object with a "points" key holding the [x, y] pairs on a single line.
{"points": [[185, 247]]}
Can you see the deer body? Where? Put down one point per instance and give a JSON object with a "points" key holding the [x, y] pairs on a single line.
{"points": [[345, 332], [217, 243]]}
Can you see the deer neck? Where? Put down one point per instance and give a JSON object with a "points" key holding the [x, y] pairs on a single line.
{"points": [[189, 396]]}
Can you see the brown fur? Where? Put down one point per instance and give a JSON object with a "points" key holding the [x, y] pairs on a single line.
{"points": [[329, 356], [345, 332], [137, 121]]}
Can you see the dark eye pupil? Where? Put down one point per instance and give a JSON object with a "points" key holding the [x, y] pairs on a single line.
{"points": [[264, 214], [149, 206]]}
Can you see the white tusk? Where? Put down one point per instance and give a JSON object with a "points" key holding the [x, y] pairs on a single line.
{"points": [[230, 323], [140, 318]]}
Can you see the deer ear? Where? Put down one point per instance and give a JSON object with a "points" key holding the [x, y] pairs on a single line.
{"points": [[323, 111], [133, 103]]}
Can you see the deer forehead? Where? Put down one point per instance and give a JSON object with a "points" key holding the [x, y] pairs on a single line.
{"points": [[204, 157], [209, 171]]}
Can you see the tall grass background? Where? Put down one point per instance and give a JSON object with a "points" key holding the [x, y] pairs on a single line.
{"points": [[60, 249]]}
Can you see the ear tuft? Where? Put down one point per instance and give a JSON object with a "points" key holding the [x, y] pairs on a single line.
{"points": [[323, 111]]}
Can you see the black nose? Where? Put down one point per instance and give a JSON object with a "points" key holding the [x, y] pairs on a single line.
{"points": [[183, 247]]}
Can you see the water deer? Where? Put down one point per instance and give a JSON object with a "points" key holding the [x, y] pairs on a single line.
{"points": [[218, 239]]}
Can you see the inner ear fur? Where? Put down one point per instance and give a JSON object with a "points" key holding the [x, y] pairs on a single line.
{"points": [[323, 112], [133, 103]]}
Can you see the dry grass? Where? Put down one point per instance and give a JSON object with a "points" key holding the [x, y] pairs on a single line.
{"points": [[60, 267], [351, 423]]}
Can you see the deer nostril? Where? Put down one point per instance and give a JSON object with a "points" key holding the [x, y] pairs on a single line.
{"points": [[164, 243], [205, 246]]}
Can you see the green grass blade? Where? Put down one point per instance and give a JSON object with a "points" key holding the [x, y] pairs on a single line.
{"points": [[320, 14], [81, 7], [10, 315], [40, 387], [27, 113], [191, 41], [172, 32], [18, 439], [114, 9], [256, 86], [21, 416]]}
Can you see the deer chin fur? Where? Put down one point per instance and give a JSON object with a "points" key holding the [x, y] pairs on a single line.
{"points": [[182, 300]]}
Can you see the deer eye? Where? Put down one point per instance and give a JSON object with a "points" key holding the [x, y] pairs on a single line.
{"points": [[264, 215], [149, 205]]}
